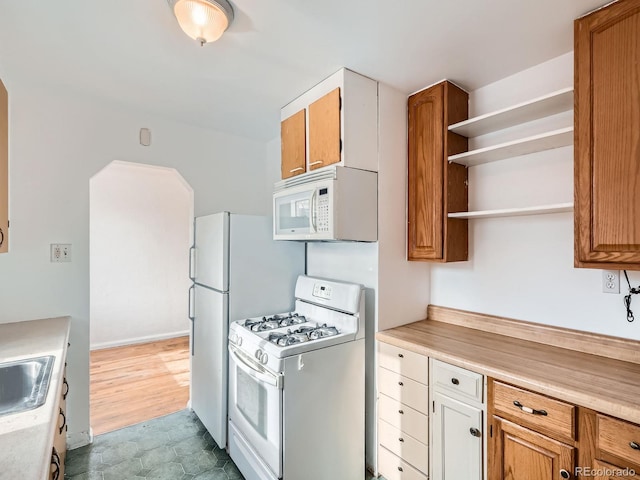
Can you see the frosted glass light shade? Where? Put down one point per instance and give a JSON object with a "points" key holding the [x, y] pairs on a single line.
{"points": [[203, 20]]}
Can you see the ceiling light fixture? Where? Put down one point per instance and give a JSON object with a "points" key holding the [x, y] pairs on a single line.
{"points": [[203, 20]]}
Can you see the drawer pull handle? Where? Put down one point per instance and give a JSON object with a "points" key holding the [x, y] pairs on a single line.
{"points": [[401, 355], [475, 432], [634, 445], [455, 381], [401, 412], [400, 469], [401, 439], [565, 474], [532, 411], [400, 383]]}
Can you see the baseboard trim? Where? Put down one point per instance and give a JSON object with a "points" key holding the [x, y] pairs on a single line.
{"points": [[134, 341], [80, 439]]}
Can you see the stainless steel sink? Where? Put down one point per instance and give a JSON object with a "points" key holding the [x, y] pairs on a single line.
{"points": [[24, 384]]}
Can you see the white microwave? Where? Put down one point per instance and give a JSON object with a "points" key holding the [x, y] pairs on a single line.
{"points": [[331, 204]]}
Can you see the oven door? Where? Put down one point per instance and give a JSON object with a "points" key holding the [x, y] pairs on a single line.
{"points": [[255, 407]]}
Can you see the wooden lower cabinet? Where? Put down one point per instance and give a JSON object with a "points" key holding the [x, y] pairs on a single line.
{"points": [[59, 451], [518, 453]]}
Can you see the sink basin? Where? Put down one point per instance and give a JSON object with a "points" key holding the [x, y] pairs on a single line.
{"points": [[24, 384]]}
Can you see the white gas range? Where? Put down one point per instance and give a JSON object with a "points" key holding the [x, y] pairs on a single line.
{"points": [[296, 386]]}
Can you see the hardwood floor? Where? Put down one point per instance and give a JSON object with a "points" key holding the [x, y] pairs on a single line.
{"points": [[136, 383]]}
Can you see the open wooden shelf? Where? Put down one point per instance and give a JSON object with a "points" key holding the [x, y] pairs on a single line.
{"points": [[515, 212], [551, 104], [523, 146]]}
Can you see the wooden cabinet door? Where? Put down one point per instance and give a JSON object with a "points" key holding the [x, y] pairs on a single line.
{"points": [[293, 145], [4, 169], [517, 453], [324, 130], [607, 137], [436, 187], [457, 440]]}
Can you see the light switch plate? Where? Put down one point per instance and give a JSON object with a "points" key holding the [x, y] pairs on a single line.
{"points": [[60, 252]]}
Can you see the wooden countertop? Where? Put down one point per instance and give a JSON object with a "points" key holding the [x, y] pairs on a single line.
{"points": [[608, 385], [26, 438]]}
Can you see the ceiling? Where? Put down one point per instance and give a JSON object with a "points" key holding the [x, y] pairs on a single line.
{"points": [[133, 51]]}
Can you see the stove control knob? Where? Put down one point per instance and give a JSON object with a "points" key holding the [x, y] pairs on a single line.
{"points": [[258, 354], [239, 340], [264, 359], [233, 338]]}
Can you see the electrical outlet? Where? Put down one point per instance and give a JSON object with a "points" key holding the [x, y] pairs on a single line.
{"points": [[60, 252], [611, 281]]}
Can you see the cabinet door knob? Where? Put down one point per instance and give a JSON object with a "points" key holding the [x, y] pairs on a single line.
{"points": [[634, 445], [401, 412], [400, 383], [565, 474], [400, 469], [455, 381], [66, 390], [64, 421], [475, 432], [401, 439], [401, 355]]}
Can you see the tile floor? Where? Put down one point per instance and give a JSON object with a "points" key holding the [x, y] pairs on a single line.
{"points": [[175, 447]]}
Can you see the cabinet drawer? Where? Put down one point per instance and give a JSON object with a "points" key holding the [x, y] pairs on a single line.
{"points": [[403, 389], [394, 468], [404, 417], [619, 438], [535, 411], [404, 362], [457, 382], [606, 471], [406, 447]]}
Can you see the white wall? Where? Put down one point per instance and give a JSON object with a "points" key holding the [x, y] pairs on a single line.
{"points": [[58, 141], [141, 219], [522, 267]]}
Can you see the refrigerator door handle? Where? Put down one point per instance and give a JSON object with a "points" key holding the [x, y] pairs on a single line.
{"points": [[192, 251], [192, 316]]}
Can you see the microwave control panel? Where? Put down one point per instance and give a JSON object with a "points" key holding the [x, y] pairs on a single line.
{"points": [[323, 209]]}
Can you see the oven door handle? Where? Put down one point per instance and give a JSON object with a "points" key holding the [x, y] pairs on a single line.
{"points": [[256, 371], [314, 227]]}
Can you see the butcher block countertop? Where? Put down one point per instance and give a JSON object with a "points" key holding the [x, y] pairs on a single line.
{"points": [[26, 438], [594, 371]]}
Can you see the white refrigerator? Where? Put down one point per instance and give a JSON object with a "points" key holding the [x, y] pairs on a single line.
{"points": [[238, 271]]}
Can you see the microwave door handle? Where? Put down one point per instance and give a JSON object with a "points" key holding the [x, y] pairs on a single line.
{"points": [[249, 369], [313, 219]]}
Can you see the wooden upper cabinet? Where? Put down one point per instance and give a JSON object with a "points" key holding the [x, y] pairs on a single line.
{"points": [[294, 145], [436, 187], [607, 137], [324, 130], [4, 169]]}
